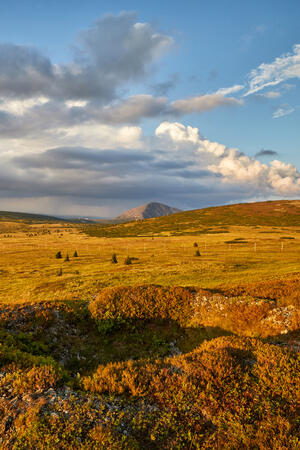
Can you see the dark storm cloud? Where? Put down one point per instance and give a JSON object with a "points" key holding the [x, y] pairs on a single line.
{"points": [[263, 152], [94, 174], [116, 50], [82, 158], [24, 71], [94, 186]]}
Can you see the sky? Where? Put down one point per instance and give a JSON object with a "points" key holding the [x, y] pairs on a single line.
{"points": [[105, 106]]}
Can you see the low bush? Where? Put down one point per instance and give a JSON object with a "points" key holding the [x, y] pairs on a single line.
{"points": [[285, 291], [228, 393], [243, 315], [144, 302]]}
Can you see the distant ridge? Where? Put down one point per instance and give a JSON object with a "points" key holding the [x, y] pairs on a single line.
{"points": [[27, 217], [148, 211], [277, 213]]}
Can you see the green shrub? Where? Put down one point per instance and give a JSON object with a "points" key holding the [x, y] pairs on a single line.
{"points": [[114, 259]]}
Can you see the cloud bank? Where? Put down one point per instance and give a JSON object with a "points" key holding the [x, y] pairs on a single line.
{"points": [[72, 139], [176, 165]]}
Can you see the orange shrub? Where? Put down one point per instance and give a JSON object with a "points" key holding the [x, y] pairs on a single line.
{"points": [[32, 380], [244, 315], [144, 302], [218, 396], [285, 291]]}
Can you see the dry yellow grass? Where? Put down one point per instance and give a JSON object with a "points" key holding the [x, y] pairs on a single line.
{"points": [[29, 269]]}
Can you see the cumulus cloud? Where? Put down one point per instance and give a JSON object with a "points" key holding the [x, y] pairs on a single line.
{"points": [[39, 115], [281, 69], [235, 167], [116, 50], [177, 166]]}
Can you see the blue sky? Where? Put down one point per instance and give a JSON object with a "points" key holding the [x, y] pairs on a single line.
{"points": [[70, 91]]}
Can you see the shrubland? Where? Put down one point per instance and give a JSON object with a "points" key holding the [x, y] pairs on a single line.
{"points": [[170, 351], [231, 391]]}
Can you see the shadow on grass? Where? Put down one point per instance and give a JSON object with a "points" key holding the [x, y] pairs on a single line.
{"points": [[66, 332]]}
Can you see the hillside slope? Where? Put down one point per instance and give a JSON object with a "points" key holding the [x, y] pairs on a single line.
{"points": [[148, 211], [9, 216], [282, 213]]}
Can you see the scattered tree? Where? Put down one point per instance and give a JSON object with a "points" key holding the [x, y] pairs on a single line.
{"points": [[60, 272], [114, 258], [197, 252], [75, 254], [195, 244], [67, 259], [58, 255], [128, 260]]}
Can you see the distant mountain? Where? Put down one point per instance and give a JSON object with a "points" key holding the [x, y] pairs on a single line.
{"points": [[148, 211]]}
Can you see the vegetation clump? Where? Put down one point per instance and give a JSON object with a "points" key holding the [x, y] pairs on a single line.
{"points": [[114, 259], [58, 255], [143, 302], [222, 392]]}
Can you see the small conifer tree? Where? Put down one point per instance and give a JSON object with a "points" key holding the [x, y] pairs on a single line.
{"points": [[195, 244], [128, 260], [114, 259], [58, 255], [197, 252], [67, 259], [60, 272], [75, 254]]}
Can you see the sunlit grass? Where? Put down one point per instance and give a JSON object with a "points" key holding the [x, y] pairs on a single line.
{"points": [[29, 269]]}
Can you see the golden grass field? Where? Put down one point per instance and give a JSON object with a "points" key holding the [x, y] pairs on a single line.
{"points": [[29, 269]]}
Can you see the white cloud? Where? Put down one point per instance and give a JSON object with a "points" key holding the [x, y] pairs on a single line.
{"points": [[269, 95], [284, 110], [178, 133], [100, 136], [234, 167], [230, 90], [19, 107], [281, 69]]}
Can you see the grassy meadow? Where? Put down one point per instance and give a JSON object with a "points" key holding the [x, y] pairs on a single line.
{"points": [[29, 270]]}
